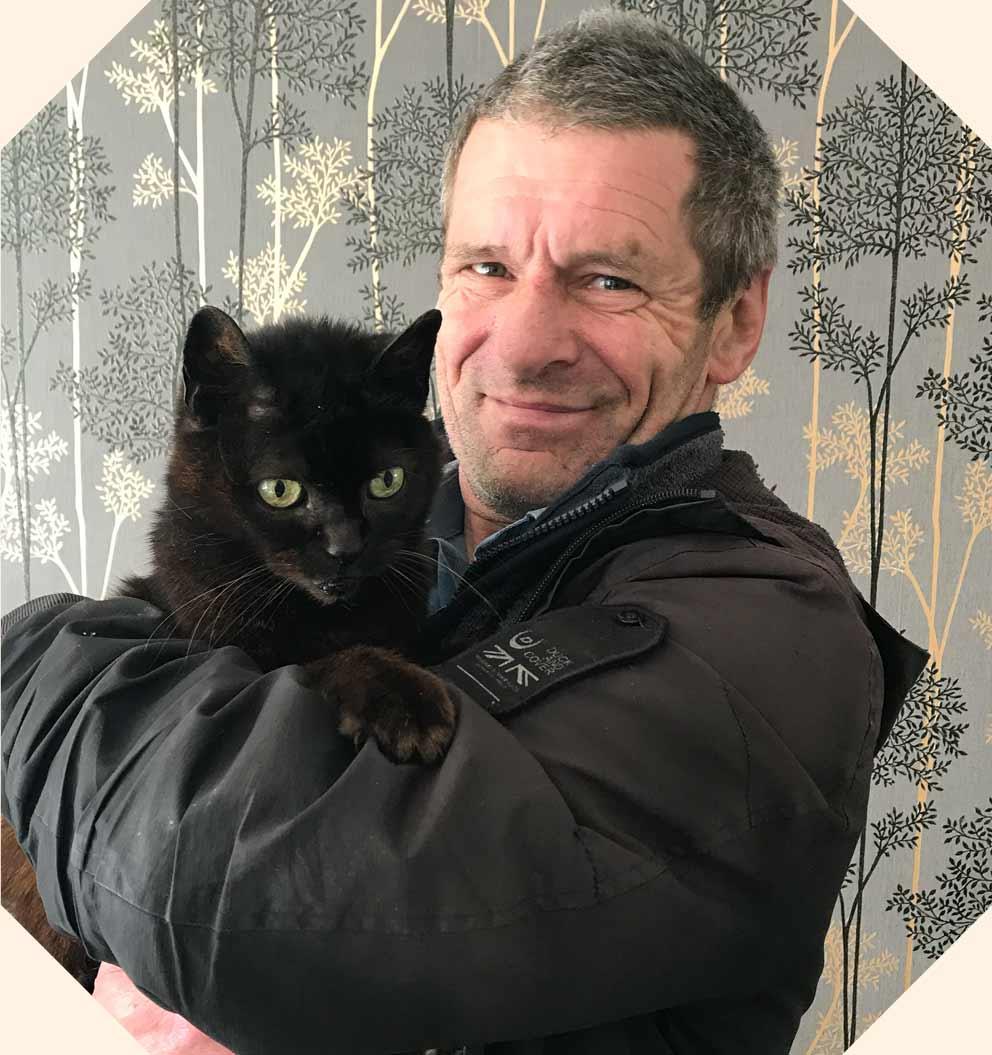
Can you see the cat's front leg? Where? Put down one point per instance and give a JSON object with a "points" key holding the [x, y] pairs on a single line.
{"points": [[408, 710]]}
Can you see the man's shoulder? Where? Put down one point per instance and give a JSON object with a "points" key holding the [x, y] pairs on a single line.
{"points": [[739, 540], [740, 484]]}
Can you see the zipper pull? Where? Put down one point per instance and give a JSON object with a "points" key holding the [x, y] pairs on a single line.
{"points": [[615, 488]]}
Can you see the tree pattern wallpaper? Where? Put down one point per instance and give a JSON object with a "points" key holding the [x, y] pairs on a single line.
{"points": [[283, 156]]}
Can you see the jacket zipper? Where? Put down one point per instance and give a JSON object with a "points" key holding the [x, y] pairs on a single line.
{"points": [[647, 500], [562, 518], [539, 529]]}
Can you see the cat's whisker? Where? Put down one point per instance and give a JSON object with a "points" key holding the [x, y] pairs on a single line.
{"points": [[287, 592], [255, 601], [217, 539], [244, 598], [243, 616], [413, 573], [388, 583], [251, 609], [399, 593], [433, 560], [194, 634], [229, 586], [418, 587], [176, 505], [203, 593], [248, 591], [175, 611]]}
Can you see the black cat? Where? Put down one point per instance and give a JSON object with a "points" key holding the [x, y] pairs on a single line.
{"points": [[301, 476]]}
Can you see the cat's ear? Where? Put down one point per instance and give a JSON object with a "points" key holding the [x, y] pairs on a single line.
{"points": [[214, 357], [405, 363]]}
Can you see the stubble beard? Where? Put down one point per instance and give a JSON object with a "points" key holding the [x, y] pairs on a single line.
{"points": [[504, 498], [509, 495]]}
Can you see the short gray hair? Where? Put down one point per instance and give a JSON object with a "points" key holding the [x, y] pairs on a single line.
{"points": [[617, 70]]}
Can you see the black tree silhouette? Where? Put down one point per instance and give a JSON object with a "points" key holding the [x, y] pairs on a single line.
{"points": [[404, 222], [936, 918], [127, 399], [888, 187], [964, 402], [756, 45], [410, 139]]}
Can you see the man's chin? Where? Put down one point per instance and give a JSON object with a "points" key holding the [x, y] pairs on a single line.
{"points": [[519, 488]]}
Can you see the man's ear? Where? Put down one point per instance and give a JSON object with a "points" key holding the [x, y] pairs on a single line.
{"points": [[404, 365], [737, 331], [214, 355]]}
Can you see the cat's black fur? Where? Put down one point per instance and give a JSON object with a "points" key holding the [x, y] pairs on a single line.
{"points": [[338, 581], [329, 406]]}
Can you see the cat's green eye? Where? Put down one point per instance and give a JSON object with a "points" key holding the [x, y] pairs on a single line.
{"points": [[280, 493], [386, 483]]}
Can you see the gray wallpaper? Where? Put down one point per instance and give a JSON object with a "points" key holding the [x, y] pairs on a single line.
{"points": [[297, 171]]}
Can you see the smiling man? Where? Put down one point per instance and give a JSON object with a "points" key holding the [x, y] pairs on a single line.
{"points": [[571, 293], [669, 691]]}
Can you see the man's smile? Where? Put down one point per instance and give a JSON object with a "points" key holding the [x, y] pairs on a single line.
{"points": [[540, 415]]}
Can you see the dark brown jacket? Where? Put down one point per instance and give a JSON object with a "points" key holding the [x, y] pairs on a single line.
{"points": [[634, 845]]}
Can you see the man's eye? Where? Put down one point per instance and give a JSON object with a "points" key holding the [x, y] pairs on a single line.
{"points": [[613, 283], [489, 269]]}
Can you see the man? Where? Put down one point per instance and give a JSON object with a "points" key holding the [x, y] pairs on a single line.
{"points": [[669, 690]]}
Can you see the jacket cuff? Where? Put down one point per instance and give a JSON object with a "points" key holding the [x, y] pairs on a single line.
{"points": [[36, 605]]}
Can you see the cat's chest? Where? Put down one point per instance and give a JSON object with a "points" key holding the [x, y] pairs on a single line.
{"points": [[307, 632]]}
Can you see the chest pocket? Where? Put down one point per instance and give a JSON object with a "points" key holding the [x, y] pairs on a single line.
{"points": [[520, 663]]}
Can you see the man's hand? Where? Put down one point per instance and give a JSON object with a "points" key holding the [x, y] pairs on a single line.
{"points": [[158, 1031]]}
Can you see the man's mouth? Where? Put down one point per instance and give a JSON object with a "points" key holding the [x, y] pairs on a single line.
{"points": [[545, 408]]}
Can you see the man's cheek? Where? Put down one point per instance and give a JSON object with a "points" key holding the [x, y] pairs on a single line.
{"points": [[472, 298], [455, 355], [447, 365]]}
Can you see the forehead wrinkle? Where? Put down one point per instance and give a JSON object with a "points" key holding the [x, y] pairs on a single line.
{"points": [[546, 187], [459, 252]]}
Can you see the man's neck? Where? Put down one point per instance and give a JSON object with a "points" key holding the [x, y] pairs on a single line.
{"points": [[479, 524]]}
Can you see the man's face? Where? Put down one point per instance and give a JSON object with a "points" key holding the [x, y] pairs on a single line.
{"points": [[569, 291]]}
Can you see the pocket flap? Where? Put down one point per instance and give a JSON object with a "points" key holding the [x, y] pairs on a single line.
{"points": [[521, 662]]}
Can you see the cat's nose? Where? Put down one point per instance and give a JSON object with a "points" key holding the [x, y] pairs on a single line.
{"points": [[343, 542]]}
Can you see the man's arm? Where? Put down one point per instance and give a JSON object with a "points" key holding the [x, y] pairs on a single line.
{"points": [[639, 838]]}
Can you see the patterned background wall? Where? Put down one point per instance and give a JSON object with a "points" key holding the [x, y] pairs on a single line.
{"points": [[276, 157]]}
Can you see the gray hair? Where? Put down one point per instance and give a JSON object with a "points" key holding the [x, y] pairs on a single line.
{"points": [[617, 70]]}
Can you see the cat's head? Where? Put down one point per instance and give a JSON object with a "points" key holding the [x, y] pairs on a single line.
{"points": [[306, 443]]}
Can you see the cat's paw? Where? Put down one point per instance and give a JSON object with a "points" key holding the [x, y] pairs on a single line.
{"points": [[407, 710]]}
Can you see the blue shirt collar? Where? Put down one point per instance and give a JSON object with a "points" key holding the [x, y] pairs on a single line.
{"points": [[446, 530]]}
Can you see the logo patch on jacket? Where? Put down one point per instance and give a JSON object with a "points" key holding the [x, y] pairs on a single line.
{"points": [[521, 662]]}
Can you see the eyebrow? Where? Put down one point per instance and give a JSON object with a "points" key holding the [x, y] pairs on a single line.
{"points": [[464, 252], [631, 256]]}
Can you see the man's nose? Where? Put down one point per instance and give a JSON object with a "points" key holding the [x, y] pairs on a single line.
{"points": [[536, 327]]}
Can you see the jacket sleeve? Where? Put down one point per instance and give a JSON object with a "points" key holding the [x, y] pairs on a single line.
{"points": [[641, 837]]}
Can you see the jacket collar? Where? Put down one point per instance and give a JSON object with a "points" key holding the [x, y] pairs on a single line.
{"points": [[677, 458]]}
